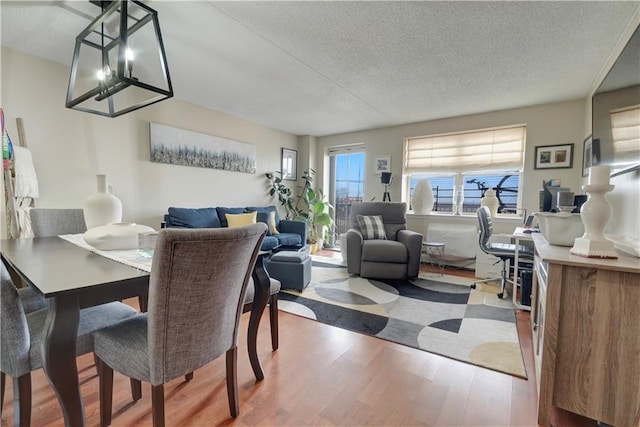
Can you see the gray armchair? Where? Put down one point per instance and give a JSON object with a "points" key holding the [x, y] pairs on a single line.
{"points": [[396, 257]]}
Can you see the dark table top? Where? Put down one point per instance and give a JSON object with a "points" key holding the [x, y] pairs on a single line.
{"points": [[54, 266]]}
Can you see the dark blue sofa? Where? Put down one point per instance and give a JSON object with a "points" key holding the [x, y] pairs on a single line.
{"points": [[290, 233]]}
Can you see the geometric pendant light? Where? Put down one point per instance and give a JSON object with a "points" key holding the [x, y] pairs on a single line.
{"points": [[119, 63]]}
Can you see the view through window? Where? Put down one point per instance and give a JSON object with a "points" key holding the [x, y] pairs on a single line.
{"points": [[348, 183], [505, 184]]}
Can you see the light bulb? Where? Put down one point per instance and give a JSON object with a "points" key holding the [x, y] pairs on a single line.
{"points": [[129, 54], [100, 75]]}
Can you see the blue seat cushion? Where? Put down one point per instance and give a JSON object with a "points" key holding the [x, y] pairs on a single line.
{"points": [[223, 211], [266, 209], [269, 243], [194, 218], [289, 239]]}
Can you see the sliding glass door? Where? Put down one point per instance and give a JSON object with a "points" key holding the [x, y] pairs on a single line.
{"points": [[347, 185]]}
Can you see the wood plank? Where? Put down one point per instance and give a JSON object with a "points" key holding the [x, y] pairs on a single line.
{"points": [[321, 375]]}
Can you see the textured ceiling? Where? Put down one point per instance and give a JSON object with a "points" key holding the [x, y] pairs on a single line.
{"points": [[321, 68]]}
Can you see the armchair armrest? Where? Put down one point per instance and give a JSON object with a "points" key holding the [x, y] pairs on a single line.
{"points": [[295, 227], [413, 241], [354, 251]]}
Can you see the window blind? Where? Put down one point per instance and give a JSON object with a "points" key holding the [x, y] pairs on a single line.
{"points": [[625, 129], [345, 149], [490, 149]]}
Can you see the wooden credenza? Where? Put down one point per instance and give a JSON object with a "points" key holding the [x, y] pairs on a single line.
{"points": [[586, 335]]}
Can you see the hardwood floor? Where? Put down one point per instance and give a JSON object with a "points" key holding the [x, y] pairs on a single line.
{"points": [[321, 375]]}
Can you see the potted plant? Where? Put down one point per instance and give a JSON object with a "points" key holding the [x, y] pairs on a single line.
{"points": [[309, 205]]}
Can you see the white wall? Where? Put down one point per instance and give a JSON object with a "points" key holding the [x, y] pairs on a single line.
{"points": [[69, 147], [549, 124]]}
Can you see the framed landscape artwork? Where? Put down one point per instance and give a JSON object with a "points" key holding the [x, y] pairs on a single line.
{"points": [[554, 156], [184, 147]]}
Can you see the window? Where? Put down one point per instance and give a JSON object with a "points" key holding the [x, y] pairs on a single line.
{"points": [[472, 161]]}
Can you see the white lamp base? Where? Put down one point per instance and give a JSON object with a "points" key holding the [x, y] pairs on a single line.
{"points": [[593, 248]]}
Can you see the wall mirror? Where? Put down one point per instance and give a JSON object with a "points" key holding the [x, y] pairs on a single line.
{"points": [[616, 111]]}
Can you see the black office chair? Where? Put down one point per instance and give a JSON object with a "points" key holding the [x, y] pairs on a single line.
{"points": [[504, 251]]}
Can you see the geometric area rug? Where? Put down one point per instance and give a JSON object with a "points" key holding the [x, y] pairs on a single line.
{"points": [[440, 315]]}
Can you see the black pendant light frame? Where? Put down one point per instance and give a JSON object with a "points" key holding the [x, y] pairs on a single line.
{"points": [[118, 79]]}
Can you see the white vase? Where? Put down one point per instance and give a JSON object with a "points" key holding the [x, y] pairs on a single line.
{"points": [[422, 199], [102, 208], [458, 199], [491, 201]]}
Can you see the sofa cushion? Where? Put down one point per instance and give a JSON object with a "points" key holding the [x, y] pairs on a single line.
{"points": [[269, 243], [289, 239], [371, 227], [384, 251], [223, 211], [266, 209], [265, 217], [194, 218], [240, 220]]}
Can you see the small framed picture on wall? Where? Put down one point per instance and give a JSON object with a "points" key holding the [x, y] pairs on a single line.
{"points": [[289, 164], [554, 157], [382, 164]]}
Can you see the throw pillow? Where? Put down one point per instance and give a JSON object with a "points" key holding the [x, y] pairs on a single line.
{"points": [[264, 217], [272, 223], [194, 218], [222, 212], [371, 227], [240, 220]]}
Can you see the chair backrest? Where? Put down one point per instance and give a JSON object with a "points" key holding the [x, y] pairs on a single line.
{"points": [[486, 227], [53, 222], [394, 215], [14, 332], [196, 294]]}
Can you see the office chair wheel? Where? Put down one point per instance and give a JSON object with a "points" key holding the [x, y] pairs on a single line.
{"points": [[473, 286], [501, 295]]}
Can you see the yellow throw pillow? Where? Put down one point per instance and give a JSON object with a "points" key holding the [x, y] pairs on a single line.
{"points": [[240, 220], [272, 223]]}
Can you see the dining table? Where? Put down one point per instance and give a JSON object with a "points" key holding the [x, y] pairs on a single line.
{"points": [[71, 278]]}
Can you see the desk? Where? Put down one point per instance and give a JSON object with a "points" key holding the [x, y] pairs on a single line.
{"points": [[517, 236], [72, 278]]}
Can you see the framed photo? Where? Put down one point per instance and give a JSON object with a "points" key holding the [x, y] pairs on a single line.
{"points": [[590, 154], [382, 164], [289, 164], [554, 157]]}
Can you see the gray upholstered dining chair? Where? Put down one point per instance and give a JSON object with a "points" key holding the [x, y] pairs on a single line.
{"points": [[47, 223], [197, 290], [53, 222], [379, 244], [22, 333]]}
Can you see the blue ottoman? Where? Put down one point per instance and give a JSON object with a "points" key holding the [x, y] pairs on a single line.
{"points": [[292, 269]]}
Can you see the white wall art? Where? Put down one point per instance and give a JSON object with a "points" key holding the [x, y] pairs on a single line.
{"points": [[184, 147]]}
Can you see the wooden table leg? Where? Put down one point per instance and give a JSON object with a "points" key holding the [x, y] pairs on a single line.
{"points": [[262, 286], [59, 356]]}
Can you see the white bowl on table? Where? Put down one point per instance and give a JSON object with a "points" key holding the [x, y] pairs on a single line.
{"points": [[560, 229]]}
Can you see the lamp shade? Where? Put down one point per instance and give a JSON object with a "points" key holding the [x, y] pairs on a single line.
{"points": [[119, 63]]}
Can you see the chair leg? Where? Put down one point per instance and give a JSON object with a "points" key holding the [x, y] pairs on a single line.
{"points": [[136, 389], [22, 400], [232, 381], [105, 378], [273, 318], [3, 379], [157, 405]]}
